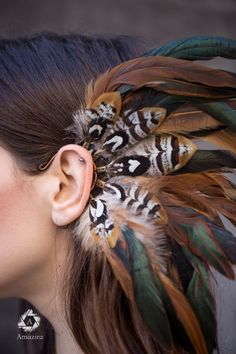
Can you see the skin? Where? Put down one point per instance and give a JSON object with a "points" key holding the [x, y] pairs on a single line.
{"points": [[33, 247]]}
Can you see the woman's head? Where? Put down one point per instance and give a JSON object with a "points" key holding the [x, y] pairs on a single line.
{"points": [[43, 81]]}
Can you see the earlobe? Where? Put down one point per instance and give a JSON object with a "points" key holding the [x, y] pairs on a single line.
{"points": [[74, 168]]}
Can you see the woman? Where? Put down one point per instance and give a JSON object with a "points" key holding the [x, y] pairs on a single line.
{"points": [[77, 281]]}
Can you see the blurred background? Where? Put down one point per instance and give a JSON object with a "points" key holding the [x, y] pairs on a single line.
{"points": [[157, 21]]}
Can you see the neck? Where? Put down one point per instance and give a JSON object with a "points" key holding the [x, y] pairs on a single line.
{"points": [[44, 292], [64, 340]]}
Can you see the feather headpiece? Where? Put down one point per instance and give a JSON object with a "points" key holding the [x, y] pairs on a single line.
{"points": [[157, 199]]}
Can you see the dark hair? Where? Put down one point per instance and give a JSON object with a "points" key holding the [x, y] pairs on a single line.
{"points": [[42, 81]]}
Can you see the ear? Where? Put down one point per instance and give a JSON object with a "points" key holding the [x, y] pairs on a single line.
{"points": [[71, 183]]}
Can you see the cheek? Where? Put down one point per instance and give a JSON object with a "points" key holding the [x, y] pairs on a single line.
{"points": [[24, 236]]}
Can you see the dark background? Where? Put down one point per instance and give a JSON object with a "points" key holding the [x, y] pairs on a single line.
{"points": [[155, 20]]}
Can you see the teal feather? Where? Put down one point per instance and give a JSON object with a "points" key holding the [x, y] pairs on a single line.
{"points": [[226, 240], [201, 299], [190, 89], [151, 297], [220, 111], [204, 160], [147, 295], [201, 236], [197, 48]]}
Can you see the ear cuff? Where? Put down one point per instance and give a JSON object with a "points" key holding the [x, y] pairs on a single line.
{"points": [[44, 166]]}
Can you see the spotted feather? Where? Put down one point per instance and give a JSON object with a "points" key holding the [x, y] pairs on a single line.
{"points": [[131, 128], [156, 155], [130, 196]]}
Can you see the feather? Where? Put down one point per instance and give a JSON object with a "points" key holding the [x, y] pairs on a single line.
{"points": [[187, 119], [204, 160], [156, 155], [118, 257], [131, 196], [225, 139], [199, 191], [90, 124], [197, 48], [201, 237], [205, 214], [227, 185], [201, 299], [147, 295], [220, 111], [186, 89], [137, 72], [185, 315], [156, 303], [132, 128]]}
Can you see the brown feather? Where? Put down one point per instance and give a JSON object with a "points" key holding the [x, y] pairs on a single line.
{"points": [[187, 119], [202, 192], [181, 88], [228, 186], [226, 139], [140, 70], [120, 271]]}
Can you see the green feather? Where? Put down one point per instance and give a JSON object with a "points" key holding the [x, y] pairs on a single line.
{"points": [[204, 160], [153, 302], [147, 295], [201, 299], [190, 89], [226, 240], [221, 111], [197, 48], [202, 240]]}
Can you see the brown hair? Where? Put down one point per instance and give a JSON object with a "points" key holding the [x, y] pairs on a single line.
{"points": [[43, 81]]}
